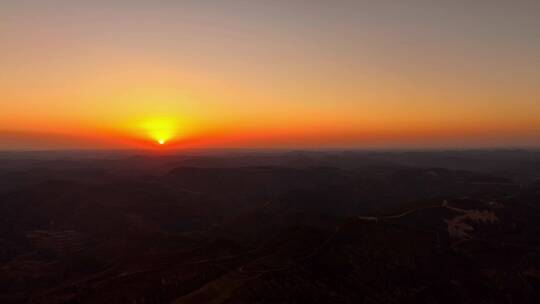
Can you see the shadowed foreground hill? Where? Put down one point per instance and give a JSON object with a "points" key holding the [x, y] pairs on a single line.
{"points": [[329, 230]]}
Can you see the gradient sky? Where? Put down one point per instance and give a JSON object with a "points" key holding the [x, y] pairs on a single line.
{"points": [[277, 74]]}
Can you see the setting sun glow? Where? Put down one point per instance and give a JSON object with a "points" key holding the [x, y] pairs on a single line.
{"points": [[160, 130]]}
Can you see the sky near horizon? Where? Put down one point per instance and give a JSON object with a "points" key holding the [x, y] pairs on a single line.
{"points": [[276, 74]]}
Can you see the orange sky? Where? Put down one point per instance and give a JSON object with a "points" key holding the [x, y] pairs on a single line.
{"points": [[276, 74]]}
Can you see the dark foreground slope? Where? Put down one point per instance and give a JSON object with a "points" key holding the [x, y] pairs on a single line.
{"points": [[282, 229]]}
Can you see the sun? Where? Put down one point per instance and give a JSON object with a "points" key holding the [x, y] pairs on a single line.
{"points": [[160, 130]]}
